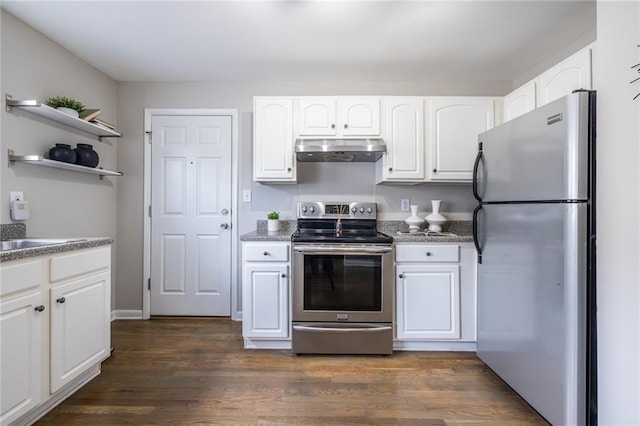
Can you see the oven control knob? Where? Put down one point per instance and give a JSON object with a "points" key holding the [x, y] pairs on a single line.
{"points": [[361, 209], [304, 209], [354, 209], [369, 210], [312, 209]]}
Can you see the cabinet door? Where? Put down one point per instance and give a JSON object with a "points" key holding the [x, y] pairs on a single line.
{"points": [[562, 79], [404, 136], [454, 125], [520, 101], [80, 327], [359, 116], [317, 116], [265, 307], [273, 140], [428, 302], [20, 355]]}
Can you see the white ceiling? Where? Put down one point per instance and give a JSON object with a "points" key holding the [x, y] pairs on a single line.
{"points": [[300, 40]]}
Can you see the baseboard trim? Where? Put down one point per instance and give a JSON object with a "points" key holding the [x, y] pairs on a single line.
{"points": [[399, 345], [126, 314]]}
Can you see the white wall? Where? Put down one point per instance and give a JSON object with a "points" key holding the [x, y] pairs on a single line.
{"points": [[63, 203], [618, 212], [322, 181]]}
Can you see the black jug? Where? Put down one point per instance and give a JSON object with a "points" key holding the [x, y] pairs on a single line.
{"points": [[62, 152], [86, 156]]}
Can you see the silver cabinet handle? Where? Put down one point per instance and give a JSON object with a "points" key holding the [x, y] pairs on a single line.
{"points": [[40, 308], [224, 225], [61, 300], [224, 212]]}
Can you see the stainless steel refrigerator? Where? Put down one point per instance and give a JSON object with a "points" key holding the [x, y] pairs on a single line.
{"points": [[534, 230]]}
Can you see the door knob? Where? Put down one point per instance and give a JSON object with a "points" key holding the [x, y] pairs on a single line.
{"points": [[224, 212], [224, 225]]}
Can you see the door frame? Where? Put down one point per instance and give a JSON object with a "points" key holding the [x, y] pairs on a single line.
{"points": [[149, 113]]}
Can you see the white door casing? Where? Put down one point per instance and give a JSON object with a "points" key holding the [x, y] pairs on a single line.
{"points": [[190, 185]]}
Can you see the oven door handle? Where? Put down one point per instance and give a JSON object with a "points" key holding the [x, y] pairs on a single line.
{"points": [[321, 329], [349, 250]]}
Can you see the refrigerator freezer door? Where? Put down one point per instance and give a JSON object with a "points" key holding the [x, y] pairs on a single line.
{"points": [[532, 304], [542, 155]]}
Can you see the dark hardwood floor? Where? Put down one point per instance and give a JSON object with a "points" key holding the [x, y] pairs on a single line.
{"points": [[187, 371]]}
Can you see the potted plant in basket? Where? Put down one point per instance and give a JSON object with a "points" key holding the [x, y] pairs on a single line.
{"points": [[273, 221], [67, 105]]}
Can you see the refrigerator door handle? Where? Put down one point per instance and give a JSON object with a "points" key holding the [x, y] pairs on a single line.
{"points": [[476, 240], [476, 166]]}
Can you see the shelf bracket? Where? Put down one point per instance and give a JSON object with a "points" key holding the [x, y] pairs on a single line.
{"points": [[10, 103], [10, 154]]}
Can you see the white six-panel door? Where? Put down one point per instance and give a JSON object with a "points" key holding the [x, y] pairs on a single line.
{"points": [[191, 215]]}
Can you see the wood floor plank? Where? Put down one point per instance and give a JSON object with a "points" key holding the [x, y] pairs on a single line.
{"points": [[194, 371]]}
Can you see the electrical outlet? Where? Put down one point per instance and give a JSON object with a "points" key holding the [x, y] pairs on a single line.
{"points": [[404, 204], [16, 196], [246, 195]]}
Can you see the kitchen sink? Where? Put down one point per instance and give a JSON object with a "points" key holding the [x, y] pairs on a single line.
{"points": [[35, 242]]}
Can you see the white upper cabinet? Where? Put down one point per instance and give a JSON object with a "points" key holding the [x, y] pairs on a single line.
{"points": [[454, 125], [562, 79], [273, 140], [404, 137], [339, 116], [520, 101]]}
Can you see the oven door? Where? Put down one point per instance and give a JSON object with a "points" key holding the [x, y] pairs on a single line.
{"points": [[343, 283]]}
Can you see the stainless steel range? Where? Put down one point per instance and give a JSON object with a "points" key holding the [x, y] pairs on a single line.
{"points": [[342, 280]]}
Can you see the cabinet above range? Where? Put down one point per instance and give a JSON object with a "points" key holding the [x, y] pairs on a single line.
{"points": [[338, 116]]}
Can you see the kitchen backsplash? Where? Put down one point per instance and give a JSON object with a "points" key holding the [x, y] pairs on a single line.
{"points": [[12, 231]]}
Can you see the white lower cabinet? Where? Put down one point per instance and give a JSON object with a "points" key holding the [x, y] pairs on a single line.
{"points": [[428, 302], [435, 294], [55, 329], [21, 325], [265, 292], [79, 327]]}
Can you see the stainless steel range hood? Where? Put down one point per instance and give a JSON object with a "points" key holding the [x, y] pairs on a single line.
{"points": [[339, 150]]}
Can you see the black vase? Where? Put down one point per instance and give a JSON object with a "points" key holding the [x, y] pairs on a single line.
{"points": [[62, 152], [86, 156]]}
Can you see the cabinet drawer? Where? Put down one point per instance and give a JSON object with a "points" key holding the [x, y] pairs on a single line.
{"points": [[20, 276], [79, 263], [266, 252], [427, 253]]}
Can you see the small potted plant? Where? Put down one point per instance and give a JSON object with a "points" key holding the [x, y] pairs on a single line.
{"points": [[67, 105], [273, 221]]}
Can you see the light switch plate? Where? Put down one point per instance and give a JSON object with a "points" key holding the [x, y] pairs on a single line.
{"points": [[404, 204], [16, 196]]}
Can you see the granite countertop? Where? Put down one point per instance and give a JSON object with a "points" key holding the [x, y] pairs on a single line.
{"points": [[17, 231], [461, 229], [25, 253], [287, 227]]}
